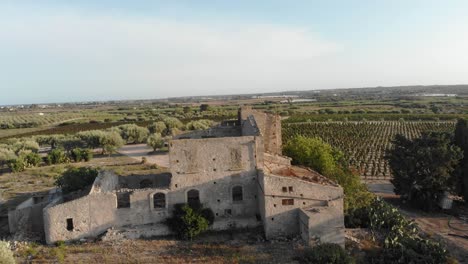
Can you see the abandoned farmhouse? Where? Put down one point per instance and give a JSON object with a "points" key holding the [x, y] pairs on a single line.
{"points": [[236, 169]]}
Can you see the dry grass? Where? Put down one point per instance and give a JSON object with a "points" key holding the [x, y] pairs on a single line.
{"points": [[225, 250]]}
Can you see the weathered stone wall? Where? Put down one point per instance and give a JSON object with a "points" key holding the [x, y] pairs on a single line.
{"points": [[95, 213], [214, 167], [27, 219], [214, 132], [269, 126], [106, 181], [325, 224], [249, 127], [91, 215], [283, 197]]}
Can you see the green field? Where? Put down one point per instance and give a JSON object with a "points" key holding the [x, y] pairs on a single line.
{"points": [[364, 143]]}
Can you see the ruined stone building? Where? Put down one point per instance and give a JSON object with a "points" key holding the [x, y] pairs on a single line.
{"points": [[235, 168]]}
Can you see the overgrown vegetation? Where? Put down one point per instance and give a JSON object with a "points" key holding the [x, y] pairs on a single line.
{"points": [[326, 253], [75, 179], [402, 242], [320, 156], [190, 221], [423, 167]]}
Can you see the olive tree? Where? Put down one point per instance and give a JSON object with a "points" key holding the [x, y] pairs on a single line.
{"points": [[155, 141]]}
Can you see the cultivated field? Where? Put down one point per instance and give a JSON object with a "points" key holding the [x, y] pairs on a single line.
{"points": [[365, 143]]}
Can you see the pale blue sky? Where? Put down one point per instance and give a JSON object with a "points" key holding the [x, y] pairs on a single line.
{"points": [[57, 51]]}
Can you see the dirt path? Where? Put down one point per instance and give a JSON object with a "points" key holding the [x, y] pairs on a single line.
{"points": [[138, 151]]}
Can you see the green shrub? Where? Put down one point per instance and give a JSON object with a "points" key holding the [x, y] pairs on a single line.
{"points": [[56, 156], [411, 250], [6, 255], [79, 154], [327, 253], [187, 222], [31, 159], [320, 156], [16, 165], [75, 179]]}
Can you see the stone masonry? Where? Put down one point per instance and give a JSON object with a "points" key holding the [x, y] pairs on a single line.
{"points": [[236, 169]]}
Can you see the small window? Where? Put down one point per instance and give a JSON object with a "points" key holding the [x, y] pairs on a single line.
{"points": [[123, 200], [70, 224], [193, 197], [290, 189], [159, 200], [287, 202], [285, 189], [237, 194], [228, 212]]}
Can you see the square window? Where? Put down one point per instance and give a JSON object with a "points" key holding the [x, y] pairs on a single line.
{"points": [[290, 189], [285, 189]]}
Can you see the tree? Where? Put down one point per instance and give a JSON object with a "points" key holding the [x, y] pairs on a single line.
{"points": [[132, 133], [201, 124], [75, 179], [92, 138], [187, 109], [25, 144], [71, 143], [205, 107], [6, 154], [157, 127], [314, 153], [422, 167], [172, 122], [320, 156], [110, 142], [155, 141], [461, 175], [187, 222]]}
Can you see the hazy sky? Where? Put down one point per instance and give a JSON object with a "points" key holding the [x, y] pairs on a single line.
{"points": [[56, 51]]}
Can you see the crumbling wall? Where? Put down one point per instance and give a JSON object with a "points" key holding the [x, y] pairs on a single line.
{"points": [[269, 126], [95, 213], [215, 168], [90, 215], [274, 162], [106, 181], [27, 219], [214, 132], [324, 224], [284, 195]]}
